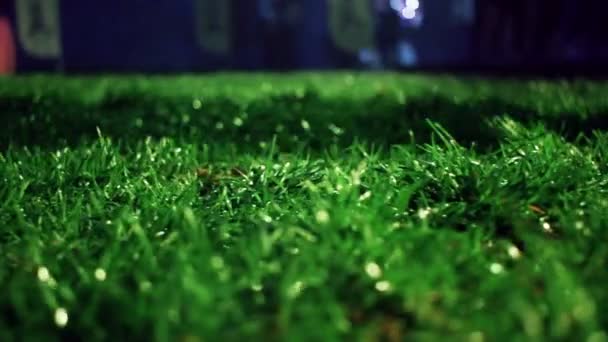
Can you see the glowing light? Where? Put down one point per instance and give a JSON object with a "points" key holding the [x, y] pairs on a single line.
{"points": [[413, 4], [397, 5], [408, 13]]}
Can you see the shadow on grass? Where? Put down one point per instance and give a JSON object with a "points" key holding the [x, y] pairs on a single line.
{"points": [[293, 119]]}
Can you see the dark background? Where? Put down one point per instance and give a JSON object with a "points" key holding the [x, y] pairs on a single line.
{"points": [[165, 35]]}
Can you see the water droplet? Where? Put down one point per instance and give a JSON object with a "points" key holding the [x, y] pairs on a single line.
{"points": [[365, 196], [43, 274], [335, 129], [514, 252], [145, 286], [61, 317], [295, 289], [238, 122], [322, 216], [305, 125], [373, 270], [383, 286], [217, 262], [100, 274], [197, 104], [423, 213], [266, 218], [497, 268]]}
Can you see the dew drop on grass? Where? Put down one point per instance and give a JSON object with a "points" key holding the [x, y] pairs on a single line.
{"points": [[423, 213], [266, 218], [305, 125], [322, 216], [383, 286], [295, 289], [514, 252], [335, 129], [365, 196], [217, 262], [373, 270], [497, 268], [145, 286], [100, 274], [43, 274], [238, 122], [197, 104], [61, 317]]}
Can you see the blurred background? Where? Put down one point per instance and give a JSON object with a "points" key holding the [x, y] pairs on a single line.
{"points": [[210, 35]]}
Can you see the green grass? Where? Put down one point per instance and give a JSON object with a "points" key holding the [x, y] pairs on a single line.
{"points": [[303, 207]]}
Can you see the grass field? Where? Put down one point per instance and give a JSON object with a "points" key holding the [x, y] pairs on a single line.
{"points": [[375, 207]]}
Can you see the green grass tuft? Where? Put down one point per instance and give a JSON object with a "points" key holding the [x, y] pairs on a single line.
{"points": [[304, 207]]}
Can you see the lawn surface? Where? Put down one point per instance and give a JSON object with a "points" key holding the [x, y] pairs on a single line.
{"points": [[303, 207]]}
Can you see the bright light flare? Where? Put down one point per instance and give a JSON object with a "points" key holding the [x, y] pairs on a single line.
{"points": [[408, 13], [413, 4]]}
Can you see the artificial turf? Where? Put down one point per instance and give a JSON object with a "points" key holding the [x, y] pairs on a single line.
{"points": [[303, 207]]}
